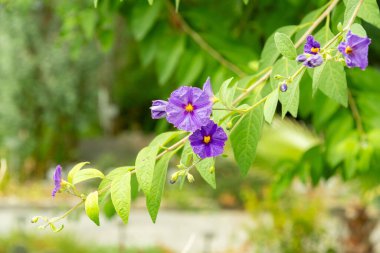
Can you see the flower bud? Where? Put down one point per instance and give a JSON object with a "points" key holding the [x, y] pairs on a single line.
{"points": [[190, 178], [174, 178], [301, 58], [229, 125], [283, 87], [35, 219]]}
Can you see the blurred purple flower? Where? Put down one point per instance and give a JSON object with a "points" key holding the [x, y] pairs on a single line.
{"points": [[355, 50], [189, 108], [57, 180], [311, 46], [208, 141], [313, 61], [158, 109]]}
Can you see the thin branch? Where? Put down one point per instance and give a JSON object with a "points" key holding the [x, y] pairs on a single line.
{"points": [[204, 45], [317, 22], [354, 14], [356, 114]]}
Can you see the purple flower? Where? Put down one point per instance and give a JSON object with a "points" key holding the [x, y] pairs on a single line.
{"points": [[355, 50], [158, 109], [189, 108], [313, 61], [57, 180], [208, 90], [208, 141], [311, 46]]}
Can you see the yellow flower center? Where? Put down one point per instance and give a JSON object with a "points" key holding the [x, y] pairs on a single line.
{"points": [[348, 50], [206, 139], [315, 49], [189, 107]]}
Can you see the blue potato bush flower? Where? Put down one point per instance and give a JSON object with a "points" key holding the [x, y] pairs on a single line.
{"points": [[189, 108], [355, 50], [209, 140]]}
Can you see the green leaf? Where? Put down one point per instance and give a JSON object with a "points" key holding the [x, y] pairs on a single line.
{"points": [[369, 12], [187, 154], [143, 18], [105, 185], [271, 105], [92, 207], [270, 52], [349, 11], [227, 92], [177, 5], [358, 30], [285, 45], [324, 35], [150, 2], [191, 66], [95, 3], [245, 2], [204, 169], [153, 199], [244, 138], [330, 78], [290, 98], [86, 174], [121, 196], [74, 170], [146, 160], [169, 54]]}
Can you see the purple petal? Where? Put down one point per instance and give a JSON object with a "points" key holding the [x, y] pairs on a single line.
{"points": [[217, 141], [188, 120], [311, 43], [57, 180], [359, 47], [158, 109], [313, 61], [342, 47], [208, 89], [301, 58]]}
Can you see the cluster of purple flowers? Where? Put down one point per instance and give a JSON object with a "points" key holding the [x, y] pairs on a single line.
{"points": [[311, 57], [354, 49], [189, 109]]}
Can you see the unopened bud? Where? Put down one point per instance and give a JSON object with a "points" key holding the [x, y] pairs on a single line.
{"points": [[283, 87], [181, 166], [174, 178], [229, 125], [35, 219], [190, 178]]}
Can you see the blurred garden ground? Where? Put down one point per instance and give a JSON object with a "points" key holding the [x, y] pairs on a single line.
{"points": [[76, 84]]}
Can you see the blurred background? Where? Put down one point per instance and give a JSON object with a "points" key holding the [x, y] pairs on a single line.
{"points": [[76, 83]]}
